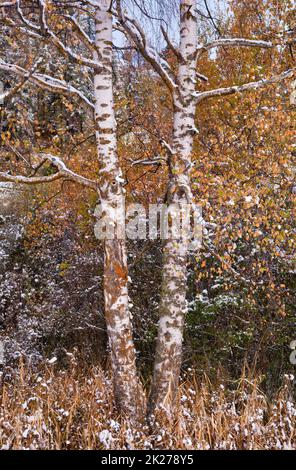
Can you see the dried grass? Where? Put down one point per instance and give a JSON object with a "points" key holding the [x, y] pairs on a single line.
{"points": [[56, 409]]}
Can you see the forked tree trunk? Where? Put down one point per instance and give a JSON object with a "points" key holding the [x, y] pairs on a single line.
{"points": [[173, 306], [119, 328]]}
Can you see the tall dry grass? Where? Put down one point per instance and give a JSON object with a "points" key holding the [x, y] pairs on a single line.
{"points": [[56, 409]]}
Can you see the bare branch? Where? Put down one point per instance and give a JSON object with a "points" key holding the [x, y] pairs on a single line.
{"points": [[25, 20], [246, 87], [227, 266], [31, 181], [19, 155], [146, 162], [167, 147], [46, 82], [210, 17], [8, 4], [45, 32], [69, 174], [12, 91], [63, 172], [170, 45], [81, 60], [236, 42], [134, 31], [26, 77], [202, 77], [87, 41]]}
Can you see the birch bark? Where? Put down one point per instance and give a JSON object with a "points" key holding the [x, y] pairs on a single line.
{"points": [[119, 327], [173, 306]]}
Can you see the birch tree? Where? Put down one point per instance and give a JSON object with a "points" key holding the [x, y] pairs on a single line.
{"points": [[94, 54], [45, 24], [186, 96]]}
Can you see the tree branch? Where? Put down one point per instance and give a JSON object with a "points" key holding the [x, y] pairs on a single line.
{"points": [[202, 77], [227, 266], [13, 91], [134, 31], [30, 181], [8, 4], [87, 41], [45, 32], [63, 172], [26, 77], [46, 82], [146, 162], [24, 20], [236, 42], [69, 174], [246, 87], [170, 45], [81, 60]]}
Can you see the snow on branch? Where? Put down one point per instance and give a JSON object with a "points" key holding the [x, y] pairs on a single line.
{"points": [[8, 4], [63, 172], [236, 42], [167, 147], [202, 77], [27, 180], [92, 3], [46, 82], [87, 41], [25, 20], [134, 31], [78, 58], [45, 32], [14, 90], [67, 173], [246, 87], [147, 162], [171, 46], [77, 3]]}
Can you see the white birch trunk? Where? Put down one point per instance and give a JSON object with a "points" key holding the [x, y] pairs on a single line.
{"points": [[119, 328], [173, 305]]}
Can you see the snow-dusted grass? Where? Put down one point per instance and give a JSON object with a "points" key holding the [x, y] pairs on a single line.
{"points": [[69, 410]]}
